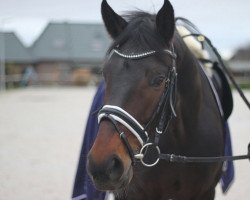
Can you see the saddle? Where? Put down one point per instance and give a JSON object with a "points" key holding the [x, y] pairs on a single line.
{"points": [[211, 64]]}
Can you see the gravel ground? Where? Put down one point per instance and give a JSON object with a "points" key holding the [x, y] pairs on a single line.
{"points": [[41, 132]]}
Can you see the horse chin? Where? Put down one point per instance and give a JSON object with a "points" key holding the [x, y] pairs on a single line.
{"points": [[120, 184], [126, 178]]}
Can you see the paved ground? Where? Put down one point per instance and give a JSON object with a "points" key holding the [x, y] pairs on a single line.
{"points": [[41, 134]]}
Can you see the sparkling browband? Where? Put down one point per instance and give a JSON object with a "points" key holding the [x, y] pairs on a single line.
{"points": [[135, 56], [142, 55]]}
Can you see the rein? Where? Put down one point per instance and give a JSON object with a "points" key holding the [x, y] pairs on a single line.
{"points": [[116, 114]]}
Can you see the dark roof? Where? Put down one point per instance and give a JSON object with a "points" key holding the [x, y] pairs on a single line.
{"points": [[71, 42], [15, 51], [240, 61], [242, 54]]}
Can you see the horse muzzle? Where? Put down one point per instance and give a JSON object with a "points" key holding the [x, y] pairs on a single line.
{"points": [[109, 174]]}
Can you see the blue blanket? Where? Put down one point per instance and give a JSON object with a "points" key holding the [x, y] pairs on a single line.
{"points": [[83, 187], [228, 167]]}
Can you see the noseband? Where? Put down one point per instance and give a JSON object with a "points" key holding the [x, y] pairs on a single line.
{"points": [[116, 114]]}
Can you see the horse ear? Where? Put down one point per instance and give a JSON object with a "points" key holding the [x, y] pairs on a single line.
{"points": [[114, 23], [165, 21]]}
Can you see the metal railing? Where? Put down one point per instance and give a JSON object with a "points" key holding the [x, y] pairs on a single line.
{"points": [[43, 79]]}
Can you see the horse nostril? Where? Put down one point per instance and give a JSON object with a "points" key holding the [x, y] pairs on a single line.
{"points": [[115, 168]]}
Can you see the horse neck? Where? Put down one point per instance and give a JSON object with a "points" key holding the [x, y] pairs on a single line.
{"points": [[189, 80], [189, 88]]}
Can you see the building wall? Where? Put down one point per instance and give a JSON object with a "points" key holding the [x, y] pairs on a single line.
{"points": [[64, 74], [53, 73], [241, 71]]}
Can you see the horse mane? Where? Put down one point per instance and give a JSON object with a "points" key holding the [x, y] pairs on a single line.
{"points": [[140, 35]]}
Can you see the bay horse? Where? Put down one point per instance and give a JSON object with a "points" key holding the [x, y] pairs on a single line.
{"points": [[157, 99]]}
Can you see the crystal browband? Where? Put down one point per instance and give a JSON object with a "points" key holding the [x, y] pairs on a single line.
{"points": [[141, 55]]}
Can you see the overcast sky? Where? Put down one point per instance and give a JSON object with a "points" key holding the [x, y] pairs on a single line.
{"points": [[226, 22]]}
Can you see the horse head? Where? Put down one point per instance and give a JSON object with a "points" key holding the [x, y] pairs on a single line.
{"points": [[136, 71]]}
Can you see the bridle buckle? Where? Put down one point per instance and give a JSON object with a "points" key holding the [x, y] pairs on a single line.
{"points": [[158, 131]]}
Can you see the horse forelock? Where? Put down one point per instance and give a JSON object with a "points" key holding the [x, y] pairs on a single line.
{"points": [[140, 35]]}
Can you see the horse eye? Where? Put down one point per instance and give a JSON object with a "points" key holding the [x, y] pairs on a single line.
{"points": [[157, 81]]}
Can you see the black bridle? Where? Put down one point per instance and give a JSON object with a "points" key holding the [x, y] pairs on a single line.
{"points": [[116, 114]]}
